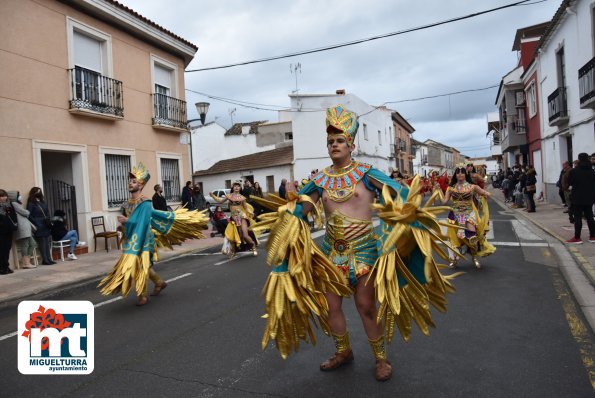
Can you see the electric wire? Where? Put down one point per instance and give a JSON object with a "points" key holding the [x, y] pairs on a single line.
{"points": [[359, 41]]}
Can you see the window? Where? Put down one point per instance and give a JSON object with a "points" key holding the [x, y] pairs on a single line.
{"points": [[228, 184], [561, 67], [521, 124], [531, 100], [170, 177], [288, 136], [117, 168], [365, 132], [391, 137], [379, 138]]}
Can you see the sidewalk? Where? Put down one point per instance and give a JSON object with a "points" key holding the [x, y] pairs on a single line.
{"points": [[89, 268], [552, 219]]}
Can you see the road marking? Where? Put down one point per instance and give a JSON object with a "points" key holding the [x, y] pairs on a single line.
{"points": [[7, 336], [522, 231], [101, 304]]}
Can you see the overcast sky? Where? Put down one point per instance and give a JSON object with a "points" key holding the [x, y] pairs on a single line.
{"points": [[469, 54]]}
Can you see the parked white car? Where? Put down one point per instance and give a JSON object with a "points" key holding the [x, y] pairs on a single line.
{"points": [[218, 193]]}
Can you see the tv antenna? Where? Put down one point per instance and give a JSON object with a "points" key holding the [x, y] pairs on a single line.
{"points": [[294, 69], [232, 112]]}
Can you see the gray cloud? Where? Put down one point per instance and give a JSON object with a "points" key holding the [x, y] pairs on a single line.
{"points": [[462, 55]]}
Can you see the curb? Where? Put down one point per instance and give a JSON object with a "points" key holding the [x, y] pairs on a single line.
{"points": [[55, 292], [581, 261]]}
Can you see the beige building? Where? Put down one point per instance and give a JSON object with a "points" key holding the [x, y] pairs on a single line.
{"points": [[404, 153], [89, 88]]}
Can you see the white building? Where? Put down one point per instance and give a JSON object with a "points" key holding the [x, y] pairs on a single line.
{"points": [[373, 141], [567, 78], [290, 148]]}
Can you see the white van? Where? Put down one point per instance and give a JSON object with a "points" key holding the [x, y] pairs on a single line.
{"points": [[218, 193]]}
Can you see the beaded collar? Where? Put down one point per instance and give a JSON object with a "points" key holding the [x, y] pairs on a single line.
{"points": [[340, 184]]}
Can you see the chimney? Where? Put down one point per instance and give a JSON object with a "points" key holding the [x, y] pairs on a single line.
{"points": [[246, 130], [341, 91]]}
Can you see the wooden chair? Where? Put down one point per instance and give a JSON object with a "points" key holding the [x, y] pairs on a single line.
{"points": [[98, 224]]}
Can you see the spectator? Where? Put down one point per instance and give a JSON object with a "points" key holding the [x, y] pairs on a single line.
{"points": [[8, 224], [200, 203], [40, 217], [188, 196], [24, 233], [220, 220], [282, 191], [531, 188], [247, 190], [567, 193], [565, 167], [258, 209], [581, 180], [159, 201], [60, 231], [506, 185]]}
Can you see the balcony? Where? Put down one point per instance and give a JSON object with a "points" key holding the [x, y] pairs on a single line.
{"points": [[586, 84], [557, 107], [169, 113], [520, 125], [95, 95]]}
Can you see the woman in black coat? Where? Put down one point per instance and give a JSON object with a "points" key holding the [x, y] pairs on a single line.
{"points": [[40, 217]]}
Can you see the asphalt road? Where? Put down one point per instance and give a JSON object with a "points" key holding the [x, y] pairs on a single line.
{"points": [[506, 334]]}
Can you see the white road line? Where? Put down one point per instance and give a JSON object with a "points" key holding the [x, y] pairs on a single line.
{"points": [[523, 232], [490, 234], [9, 335]]}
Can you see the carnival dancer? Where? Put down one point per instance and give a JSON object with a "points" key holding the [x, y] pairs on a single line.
{"points": [[392, 265], [468, 201], [145, 228], [242, 214]]}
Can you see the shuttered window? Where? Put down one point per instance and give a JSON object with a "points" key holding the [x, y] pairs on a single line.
{"points": [[117, 168], [170, 176]]}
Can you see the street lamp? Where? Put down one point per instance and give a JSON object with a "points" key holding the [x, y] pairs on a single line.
{"points": [[202, 108]]}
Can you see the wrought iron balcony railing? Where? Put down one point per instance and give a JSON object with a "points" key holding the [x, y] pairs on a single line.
{"points": [[169, 111], [92, 91], [557, 107], [586, 84]]}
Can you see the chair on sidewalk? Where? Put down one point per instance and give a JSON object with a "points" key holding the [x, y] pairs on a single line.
{"points": [[99, 231], [60, 244]]}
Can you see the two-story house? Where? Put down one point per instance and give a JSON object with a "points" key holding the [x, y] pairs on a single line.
{"points": [[89, 88], [404, 151]]}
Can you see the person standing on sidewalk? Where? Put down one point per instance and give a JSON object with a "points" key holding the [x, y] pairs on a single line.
{"points": [[8, 224], [24, 234], [565, 167], [567, 193], [139, 248], [40, 217], [582, 180], [159, 201], [531, 188]]}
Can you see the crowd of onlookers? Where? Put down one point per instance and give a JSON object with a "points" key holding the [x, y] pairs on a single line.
{"points": [[576, 188], [32, 226]]}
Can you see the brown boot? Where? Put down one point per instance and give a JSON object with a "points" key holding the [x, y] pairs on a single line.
{"points": [[384, 370], [158, 288], [339, 359]]}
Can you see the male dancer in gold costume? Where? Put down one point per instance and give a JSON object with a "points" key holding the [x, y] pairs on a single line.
{"points": [[144, 228], [354, 258]]}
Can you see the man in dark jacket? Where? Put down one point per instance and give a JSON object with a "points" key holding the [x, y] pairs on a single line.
{"points": [[159, 201], [188, 196], [581, 180], [282, 192], [565, 167]]}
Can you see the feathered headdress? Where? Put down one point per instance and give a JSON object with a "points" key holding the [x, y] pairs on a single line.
{"points": [[140, 173], [341, 121]]}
